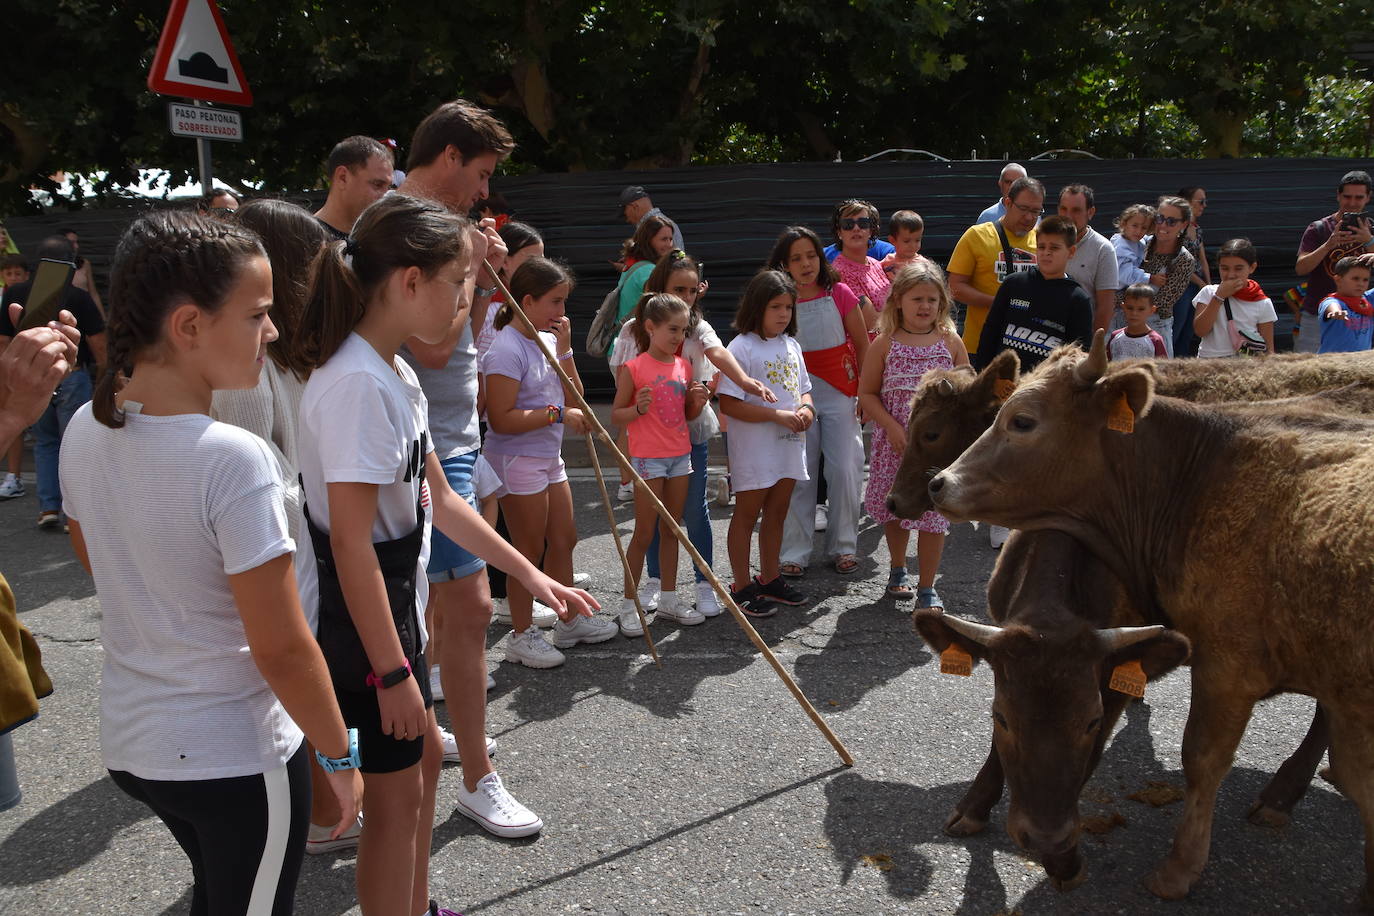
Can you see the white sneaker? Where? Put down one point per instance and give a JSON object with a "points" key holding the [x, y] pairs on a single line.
{"points": [[12, 487], [581, 579], [626, 492], [583, 629], [722, 491], [708, 605], [685, 615], [822, 517], [495, 811], [997, 536], [648, 594], [543, 616], [491, 682], [451, 746], [628, 619], [532, 650], [436, 686], [318, 841]]}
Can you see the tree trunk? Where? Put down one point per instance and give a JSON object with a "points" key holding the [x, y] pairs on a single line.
{"points": [[690, 102], [815, 134], [1223, 131]]}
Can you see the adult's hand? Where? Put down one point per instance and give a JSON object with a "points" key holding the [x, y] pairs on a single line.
{"points": [[495, 253], [33, 365]]}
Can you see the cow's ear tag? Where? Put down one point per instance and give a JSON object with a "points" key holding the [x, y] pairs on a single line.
{"points": [[956, 661], [1003, 389], [1122, 418], [1128, 678]]}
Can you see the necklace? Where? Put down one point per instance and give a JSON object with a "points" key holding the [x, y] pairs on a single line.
{"points": [[929, 330]]}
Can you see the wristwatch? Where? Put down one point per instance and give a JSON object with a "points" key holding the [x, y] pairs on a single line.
{"points": [[484, 292], [391, 679], [351, 762]]}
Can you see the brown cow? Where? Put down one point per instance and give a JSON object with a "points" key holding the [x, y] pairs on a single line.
{"points": [[1249, 529]]}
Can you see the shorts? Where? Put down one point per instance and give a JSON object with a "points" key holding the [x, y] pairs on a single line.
{"points": [[485, 482], [379, 752], [651, 468], [447, 560], [526, 475]]}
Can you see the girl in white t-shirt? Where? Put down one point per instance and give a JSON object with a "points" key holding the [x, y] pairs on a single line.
{"points": [[1249, 329], [371, 482], [525, 420], [211, 673], [767, 440]]}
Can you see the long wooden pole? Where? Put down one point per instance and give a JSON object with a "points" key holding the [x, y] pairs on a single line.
{"points": [[643, 488]]}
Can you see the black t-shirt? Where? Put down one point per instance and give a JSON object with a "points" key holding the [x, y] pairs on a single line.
{"points": [[1031, 316], [334, 234], [77, 301]]}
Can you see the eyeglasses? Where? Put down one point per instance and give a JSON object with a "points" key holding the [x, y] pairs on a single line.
{"points": [[862, 222], [1030, 211], [1201, 201], [1168, 220]]}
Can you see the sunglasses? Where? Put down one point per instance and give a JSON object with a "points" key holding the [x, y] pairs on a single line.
{"points": [[862, 222], [1168, 220]]}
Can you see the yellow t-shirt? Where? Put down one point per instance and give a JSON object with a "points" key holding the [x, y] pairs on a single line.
{"points": [[980, 257]]}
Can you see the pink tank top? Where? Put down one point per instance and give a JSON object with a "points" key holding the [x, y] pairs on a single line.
{"points": [[662, 432]]}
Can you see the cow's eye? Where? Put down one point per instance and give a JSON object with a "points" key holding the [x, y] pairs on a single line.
{"points": [[1092, 726], [1022, 423], [997, 717], [930, 435]]}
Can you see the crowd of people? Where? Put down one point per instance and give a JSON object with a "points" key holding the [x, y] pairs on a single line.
{"points": [[350, 438]]}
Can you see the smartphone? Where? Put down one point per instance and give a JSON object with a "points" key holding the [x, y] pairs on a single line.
{"points": [[1351, 220], [47, 293]]}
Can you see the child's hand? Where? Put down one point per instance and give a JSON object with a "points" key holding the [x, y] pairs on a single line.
{"points": [[403, 710], [347, 786], [889, 263], [697, 395], [644, 399], [759, 390], [567, 602], [807, 416], [896, 437], [790, 419], [1335, 311], [562, 333], [574, 419], [1228, 288], [1157, 280]]}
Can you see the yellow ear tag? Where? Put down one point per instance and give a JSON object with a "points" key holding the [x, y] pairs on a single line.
{"points": [[1128, 678], [956, 661], [1003, 389], [1122, 418]]}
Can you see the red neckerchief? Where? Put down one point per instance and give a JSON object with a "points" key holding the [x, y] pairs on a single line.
{"points": [[1251, 292], [1357, 304]]}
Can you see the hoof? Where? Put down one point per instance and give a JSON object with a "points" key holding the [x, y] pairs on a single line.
{"points": [[1169, 882], [960, 824], [1066, 885], [1262, 815]]}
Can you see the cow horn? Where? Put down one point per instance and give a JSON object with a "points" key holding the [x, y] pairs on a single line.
{"points": [[945, 386], [1117, 638], [980, 633], [1090, 370]]}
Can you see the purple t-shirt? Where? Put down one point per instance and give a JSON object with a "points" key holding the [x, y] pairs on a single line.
{"points": [[514, 355], [1321, 282]]}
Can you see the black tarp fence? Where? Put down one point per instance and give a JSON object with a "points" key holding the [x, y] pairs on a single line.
{"points": [[730, 215]]}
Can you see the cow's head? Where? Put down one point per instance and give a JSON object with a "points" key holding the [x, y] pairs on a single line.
{"points": [[1047, 714], [1046, 446], [951, 410]]}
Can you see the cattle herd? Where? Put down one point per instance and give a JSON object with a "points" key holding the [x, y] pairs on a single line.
{"points": [[1202, 512]]}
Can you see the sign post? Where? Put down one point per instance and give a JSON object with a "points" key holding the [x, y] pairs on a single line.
{"points": [[195, 60]]}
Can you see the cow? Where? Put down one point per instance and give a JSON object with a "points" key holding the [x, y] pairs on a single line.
{"points": [[1248, 527]]}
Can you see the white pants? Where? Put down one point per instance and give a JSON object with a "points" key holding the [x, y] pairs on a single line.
{"points": [[836, 433], [1165, 327]]}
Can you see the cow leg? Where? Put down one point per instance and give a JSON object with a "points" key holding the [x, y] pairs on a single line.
{"points": [[971, 813], [1352, 771], [1289, 784], [1216, 723]]}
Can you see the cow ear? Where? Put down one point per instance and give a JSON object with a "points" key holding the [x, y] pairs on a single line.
{"points": [[1157, 655], [1134, 387], [998, 380], [939, 635]]}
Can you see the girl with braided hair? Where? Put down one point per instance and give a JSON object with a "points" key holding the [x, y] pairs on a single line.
{"points": [[180, 519]]}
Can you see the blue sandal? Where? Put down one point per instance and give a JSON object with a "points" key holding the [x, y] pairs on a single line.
{"points": [[897, 584], [927, 597]]}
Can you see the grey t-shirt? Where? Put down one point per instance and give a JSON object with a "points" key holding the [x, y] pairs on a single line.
{"points": [[1093, 264], [452, 395]]}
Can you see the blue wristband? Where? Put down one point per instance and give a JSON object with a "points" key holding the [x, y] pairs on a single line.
{"points": [[351, 762]]}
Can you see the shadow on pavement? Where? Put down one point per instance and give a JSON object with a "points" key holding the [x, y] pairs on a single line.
{"points": [[67, 835]]}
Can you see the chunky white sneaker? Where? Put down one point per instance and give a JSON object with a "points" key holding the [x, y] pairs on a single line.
{"points": [[648, 594], [495, 810], [581, 579], [451, 746], [11, 488], [708, 605], [685, 615], [628, 619], [997, 536], [583, 629], [436, 686], [318, 841], [822, 517], [543, 616], [532, 650], [626, 492], [722, 491]]}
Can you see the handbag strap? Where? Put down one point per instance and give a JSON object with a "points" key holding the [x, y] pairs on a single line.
{"points": [[1226, 304], [1006, 247]]}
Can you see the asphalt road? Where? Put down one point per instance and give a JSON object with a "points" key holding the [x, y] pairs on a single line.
{"points": [[702, 787]]}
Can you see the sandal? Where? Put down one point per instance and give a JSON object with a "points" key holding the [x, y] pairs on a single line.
{"points": [[927, 597], [846, 564], [897, 586], [792, 570]]}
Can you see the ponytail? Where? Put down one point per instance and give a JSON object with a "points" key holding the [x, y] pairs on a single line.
{"points": [[333, 307]]}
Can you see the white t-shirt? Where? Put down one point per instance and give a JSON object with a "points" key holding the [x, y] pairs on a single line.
{"points": [[1248, 316], [170, 507], [363, 421], [761, 454]]}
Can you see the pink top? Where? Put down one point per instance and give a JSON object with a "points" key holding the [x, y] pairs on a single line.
{"points": [[662, 432], [866, 279]]}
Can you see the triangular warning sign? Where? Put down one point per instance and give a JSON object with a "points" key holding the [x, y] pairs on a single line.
{"points": [[195, 59]]}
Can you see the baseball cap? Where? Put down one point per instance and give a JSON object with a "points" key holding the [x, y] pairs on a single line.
{"points": [[628, 196]]}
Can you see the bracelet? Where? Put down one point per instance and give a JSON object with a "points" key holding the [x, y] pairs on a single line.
{"points": [[555, 414], [640, 412], [563, 356], [389, 680], [334, 764], [810, 408]]}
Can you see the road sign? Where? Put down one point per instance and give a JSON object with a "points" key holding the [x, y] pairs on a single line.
{"points": [[195, 58], [204, 123]]}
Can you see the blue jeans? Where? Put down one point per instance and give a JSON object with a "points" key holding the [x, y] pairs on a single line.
{"points": [[694, 515], [74, 391]]}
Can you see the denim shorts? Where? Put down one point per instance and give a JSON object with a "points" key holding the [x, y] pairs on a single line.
{"points": [[448, 561], [526, 475], [677, 466]]}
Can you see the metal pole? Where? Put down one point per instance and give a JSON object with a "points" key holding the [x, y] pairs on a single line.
{"points": [[207, 177]]}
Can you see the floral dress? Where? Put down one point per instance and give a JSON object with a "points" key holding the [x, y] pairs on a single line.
{"points": [[902, 371]]}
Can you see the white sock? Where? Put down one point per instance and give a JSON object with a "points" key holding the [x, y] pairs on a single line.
{"points": [[667, 601], [627, 606]]}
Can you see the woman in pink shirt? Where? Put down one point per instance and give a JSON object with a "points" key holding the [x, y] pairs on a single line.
{"points": [[855, 224]]}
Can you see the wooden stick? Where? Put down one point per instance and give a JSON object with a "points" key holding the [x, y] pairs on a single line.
{"points": [[620, 548], [726, 600]]}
